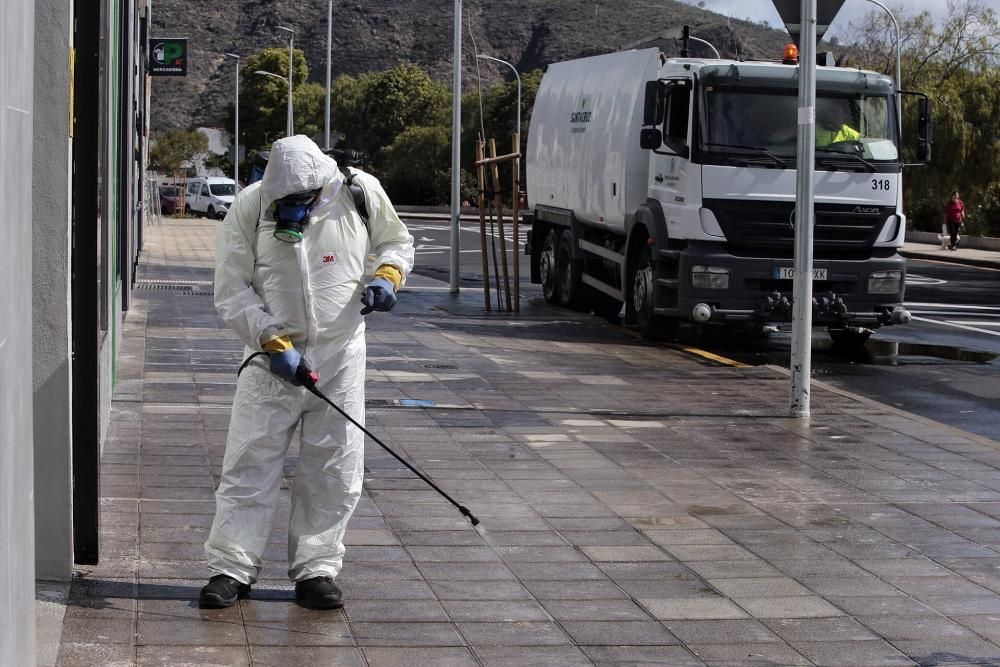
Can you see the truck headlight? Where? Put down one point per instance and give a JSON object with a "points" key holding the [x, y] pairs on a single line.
{"points": [[885, 282], [709, 277]]}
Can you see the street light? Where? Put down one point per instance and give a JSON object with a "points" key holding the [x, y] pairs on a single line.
{"points": [[291, 42], [899, 108], [329, 56], [516, 76], [288, 122], [236, 123]]}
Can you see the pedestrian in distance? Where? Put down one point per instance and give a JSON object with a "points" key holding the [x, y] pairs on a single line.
{"points": [[290, 280], [954, 218]]}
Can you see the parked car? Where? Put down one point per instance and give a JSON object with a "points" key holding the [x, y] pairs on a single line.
{"points": [[212, 196], [170, 199]]}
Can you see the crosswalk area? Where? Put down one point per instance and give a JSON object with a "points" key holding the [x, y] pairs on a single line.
{"points": [[434, 239], [980, 319]]}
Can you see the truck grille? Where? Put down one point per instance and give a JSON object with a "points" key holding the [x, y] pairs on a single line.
{"points": [[765, 228]]}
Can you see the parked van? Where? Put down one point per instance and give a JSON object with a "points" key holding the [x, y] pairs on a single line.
{"points": [[212, 196]]}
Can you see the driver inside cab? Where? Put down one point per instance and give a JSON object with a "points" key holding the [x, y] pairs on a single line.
{"points": [[832, 118]]}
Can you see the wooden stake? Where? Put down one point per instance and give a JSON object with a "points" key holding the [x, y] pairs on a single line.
{"points": [[481, 173], [503, 241]]}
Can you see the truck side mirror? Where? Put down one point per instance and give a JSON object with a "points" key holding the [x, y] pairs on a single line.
{"points": [[650, 139], [654, 106], [925, 129]]}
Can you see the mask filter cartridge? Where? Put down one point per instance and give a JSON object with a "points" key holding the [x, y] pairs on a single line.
{"points": [[291, 215]]}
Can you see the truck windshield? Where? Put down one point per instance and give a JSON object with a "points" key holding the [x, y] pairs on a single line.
{"points": [[848, 126]]}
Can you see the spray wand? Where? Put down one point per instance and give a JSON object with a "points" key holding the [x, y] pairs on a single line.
{"points": [[309, 378]]}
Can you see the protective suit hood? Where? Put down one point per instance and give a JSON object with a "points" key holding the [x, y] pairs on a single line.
{"points": [[296, 165]]}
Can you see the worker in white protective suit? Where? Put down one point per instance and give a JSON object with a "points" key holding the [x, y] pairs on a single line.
{"points": [[290, 281]]}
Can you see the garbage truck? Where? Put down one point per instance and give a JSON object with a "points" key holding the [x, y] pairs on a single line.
{"points": [[667, 185]]}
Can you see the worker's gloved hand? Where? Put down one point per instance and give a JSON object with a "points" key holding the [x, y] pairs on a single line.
{"points": [[379, 295], [284, 364]]}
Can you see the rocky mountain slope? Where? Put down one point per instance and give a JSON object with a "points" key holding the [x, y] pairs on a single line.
{"points": [[382, 33]]}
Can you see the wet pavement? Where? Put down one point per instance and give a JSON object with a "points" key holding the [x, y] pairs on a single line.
{"points": [[639, 504]]}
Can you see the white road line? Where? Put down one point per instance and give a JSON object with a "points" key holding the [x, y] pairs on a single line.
{"points": [[957, 326], [993, 323], [955, 306]]}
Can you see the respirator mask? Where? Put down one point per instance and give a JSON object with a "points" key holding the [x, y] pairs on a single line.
{"points": [[291, 214]]}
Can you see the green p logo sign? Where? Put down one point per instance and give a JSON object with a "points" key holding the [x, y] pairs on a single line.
{"points": [[168, 57]]}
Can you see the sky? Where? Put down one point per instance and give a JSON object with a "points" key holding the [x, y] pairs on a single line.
{"points": [[852, 10]]}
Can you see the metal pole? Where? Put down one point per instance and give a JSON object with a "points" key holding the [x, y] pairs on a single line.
{"points": [[289, 124], [456, 145], [802, 304], [236, 123], [329, 52]]}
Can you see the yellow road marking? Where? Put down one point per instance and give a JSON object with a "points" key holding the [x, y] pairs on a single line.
{"points": [[715, 357]]}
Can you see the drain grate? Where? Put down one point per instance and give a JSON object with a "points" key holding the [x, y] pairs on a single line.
{"points": [[190, 288], [441, 366]]}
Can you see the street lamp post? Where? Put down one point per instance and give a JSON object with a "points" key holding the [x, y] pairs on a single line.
{"points": [[289, 130], [516, 76], [288, 123], [456, 148], [329, 55], [236, 122]]}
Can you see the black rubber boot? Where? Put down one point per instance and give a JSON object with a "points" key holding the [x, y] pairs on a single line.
{"points": [[222, 591], [319, 593]]}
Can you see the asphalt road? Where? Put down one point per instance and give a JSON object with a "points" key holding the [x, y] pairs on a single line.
{"points": [[945, 365]]}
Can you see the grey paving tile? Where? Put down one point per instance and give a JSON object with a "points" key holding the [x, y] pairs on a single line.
{"points": [[759, 587], [190, 632], [625, 553], [794, 630], [88, 654], [111, 630], [575, 590], [853, 654], [595, 610], [406, 634], [692, 608], [480, 590], [394, 611], [738, 631], [849, 586], [405, 657], [209, 656], [675, 656], [495, 610], [464, 571], [895, 628], [749, 655], [554, 656], [618, 633], [959, 605], [518, 633], [281, 656], [798, 606]]}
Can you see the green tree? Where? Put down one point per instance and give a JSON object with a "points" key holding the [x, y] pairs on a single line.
{"points": [[264, 99], [175, 147], [375, 108], [417, 166], [956, 64]]}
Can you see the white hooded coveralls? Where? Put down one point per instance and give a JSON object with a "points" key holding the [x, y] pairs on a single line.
{"points": [[310, 291]]}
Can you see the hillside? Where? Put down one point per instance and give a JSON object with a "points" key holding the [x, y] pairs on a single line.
{"points": [[383, 33]]}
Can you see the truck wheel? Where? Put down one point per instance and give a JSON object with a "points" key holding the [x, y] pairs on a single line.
{"points": [[569, 287], [651, 326], [849, 337], [547, 266]]}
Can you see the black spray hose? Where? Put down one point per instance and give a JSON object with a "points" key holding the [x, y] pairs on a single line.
{"points": [[308, 378]]}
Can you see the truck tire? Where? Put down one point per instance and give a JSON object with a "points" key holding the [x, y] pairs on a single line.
{"points": [[651, 326], [569, 287], [547, 266]]}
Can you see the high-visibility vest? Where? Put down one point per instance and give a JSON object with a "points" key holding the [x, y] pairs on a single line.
{"points": [[825, 137]]}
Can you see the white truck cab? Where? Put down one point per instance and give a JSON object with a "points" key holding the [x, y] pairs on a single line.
{"points": [[669, 185]]}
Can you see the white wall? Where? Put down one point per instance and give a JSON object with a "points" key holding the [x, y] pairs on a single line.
{"points": [[51, 343], [17, 566]]}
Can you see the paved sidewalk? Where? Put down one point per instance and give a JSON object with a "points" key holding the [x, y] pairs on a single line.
{"points": [[640, 505], [989, 259]]}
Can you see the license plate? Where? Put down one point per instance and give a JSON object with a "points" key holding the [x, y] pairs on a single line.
{"points": [[788, 273]]}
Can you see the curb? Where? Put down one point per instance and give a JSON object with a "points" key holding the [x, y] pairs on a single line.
{"points": [[953, 259], [926, 421]]}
